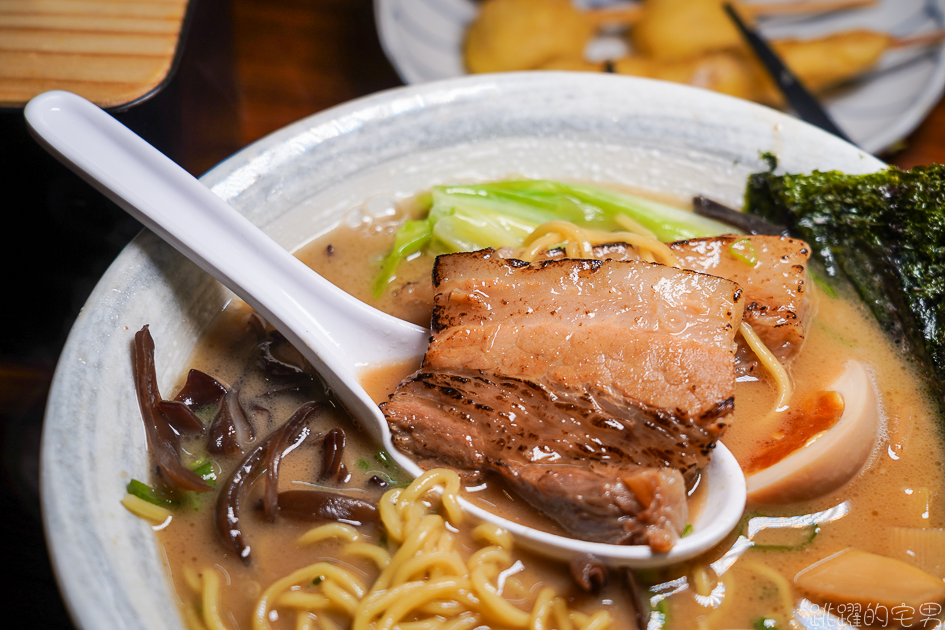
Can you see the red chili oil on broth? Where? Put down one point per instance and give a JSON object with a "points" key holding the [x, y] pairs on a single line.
{"points": [[804, 422], [900, 486]]}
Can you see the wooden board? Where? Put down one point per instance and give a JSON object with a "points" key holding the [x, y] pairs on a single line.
{"points": [[111, 52]]}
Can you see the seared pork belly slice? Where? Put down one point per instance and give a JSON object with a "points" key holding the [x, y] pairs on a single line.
{"points": [[605, 251], [473, 420], [644, 333], [608, 491], [777, 304], [618, 368], [631, 505]]}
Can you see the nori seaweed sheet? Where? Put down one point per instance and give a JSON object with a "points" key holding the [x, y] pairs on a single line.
{"points": [[885, 232]]}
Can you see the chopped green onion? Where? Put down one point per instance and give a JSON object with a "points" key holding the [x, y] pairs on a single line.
{"points": [[318, 580], [821, 283], [814, 530], [776, 523], [686, 530], [743, 250], [206, 471], [147, 493], [411, 238], [659, 617], [393, 479], [384, 458], [207, 413], [763, 623], [836, 336]]}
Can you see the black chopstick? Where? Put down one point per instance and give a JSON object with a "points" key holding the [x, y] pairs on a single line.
{"points": [[803, 102]]}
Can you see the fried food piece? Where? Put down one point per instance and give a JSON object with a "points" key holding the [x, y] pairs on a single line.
{"points": [[824, 62], [675, 30], [819, 63], [726, 72], [678, 30], [525, 34]]}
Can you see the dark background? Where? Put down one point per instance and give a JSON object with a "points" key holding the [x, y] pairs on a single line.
{"points": [[248, 67]]}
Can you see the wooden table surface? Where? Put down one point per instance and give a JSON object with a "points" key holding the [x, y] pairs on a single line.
{"points": [[297, 57], [286, 59], [112, 53]]}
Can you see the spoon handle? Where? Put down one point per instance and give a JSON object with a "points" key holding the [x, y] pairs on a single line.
{"points": [[339, 332]]}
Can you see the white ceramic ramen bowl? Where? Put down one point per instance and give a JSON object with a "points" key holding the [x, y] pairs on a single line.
{"points": [[338, 334], [298, 183]]}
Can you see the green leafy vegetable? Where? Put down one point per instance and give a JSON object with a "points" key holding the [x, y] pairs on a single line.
{"points": [[885, 232], [504, 214]]}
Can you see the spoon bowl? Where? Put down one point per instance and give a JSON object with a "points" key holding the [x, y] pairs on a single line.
{"points": [[337, 333]]}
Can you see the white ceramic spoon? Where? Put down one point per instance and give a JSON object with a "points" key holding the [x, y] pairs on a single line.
{"points": [[337, 333]]}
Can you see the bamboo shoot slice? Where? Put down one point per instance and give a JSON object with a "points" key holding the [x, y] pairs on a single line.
{"points": [[920, 547], [857, 577]]}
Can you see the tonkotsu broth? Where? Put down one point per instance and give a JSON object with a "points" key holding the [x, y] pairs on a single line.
{"points": [[900, 486], [191, 544]]}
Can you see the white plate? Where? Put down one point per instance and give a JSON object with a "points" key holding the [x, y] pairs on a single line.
{"points": [[306, 178], [423, 39]]}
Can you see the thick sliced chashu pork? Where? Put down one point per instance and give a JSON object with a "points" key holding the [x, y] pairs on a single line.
{"points": [[777, 303], [592, 387]]}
